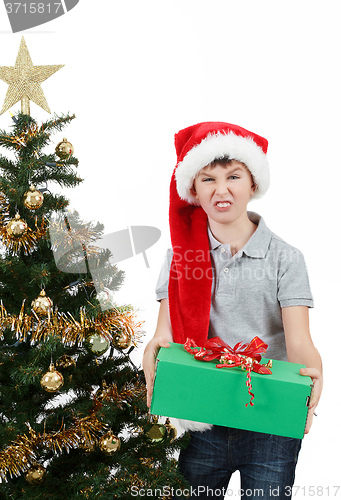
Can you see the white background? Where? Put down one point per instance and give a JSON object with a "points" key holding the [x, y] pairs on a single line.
{"points": [[137, 72]]}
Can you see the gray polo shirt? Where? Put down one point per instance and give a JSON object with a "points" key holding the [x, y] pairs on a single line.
{"points": [[250, 288]]}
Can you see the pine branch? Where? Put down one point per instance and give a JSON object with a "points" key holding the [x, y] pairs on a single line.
{"points": [[6, 165], [63, 179], [57, 122], [4, 184], [21, 122]]}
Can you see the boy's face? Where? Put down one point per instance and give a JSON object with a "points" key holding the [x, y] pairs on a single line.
{"points": [[224, 191]]}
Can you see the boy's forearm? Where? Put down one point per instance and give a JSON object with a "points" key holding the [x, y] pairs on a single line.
{"points": [[163, 326], [300, 347], [162, 336], [308, 355]]}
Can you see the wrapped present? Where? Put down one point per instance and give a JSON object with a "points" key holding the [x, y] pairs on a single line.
{"points": [[245, 355], [185, 387]]}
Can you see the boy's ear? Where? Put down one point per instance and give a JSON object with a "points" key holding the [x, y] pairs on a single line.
{"points": [[193, 191], [254, 188]]}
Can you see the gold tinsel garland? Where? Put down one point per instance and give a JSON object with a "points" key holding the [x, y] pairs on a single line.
{"points": [[67, 328], [109, 393], [68, 231], [22, 453], [73, 241], [4, 207], [27, 241], [21, 140], [117, 485], [135, 480]]}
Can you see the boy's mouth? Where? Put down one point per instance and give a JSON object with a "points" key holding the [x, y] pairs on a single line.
{"points": [[223, 204]]}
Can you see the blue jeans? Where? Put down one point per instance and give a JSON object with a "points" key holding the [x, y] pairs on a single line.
{"points": [[266, 463]]}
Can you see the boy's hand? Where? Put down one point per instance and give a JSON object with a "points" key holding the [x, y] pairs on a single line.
{"points": [[148, 363], [309, 421], [316, 377]]}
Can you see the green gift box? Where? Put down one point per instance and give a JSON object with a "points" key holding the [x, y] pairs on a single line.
{"points": [[197, 390]]}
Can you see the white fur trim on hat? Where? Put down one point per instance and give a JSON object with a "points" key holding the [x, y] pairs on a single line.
{"points": [[216, 146], [190, 425]]}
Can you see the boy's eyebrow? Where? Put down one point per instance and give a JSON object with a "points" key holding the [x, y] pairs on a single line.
{"points": [[204, 173], [211, 172], [236, 170]]}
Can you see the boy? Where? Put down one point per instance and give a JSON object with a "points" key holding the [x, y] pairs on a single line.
{"points": [[230, 276]]}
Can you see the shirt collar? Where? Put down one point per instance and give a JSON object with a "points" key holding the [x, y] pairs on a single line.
{"points": [[258, 244]]}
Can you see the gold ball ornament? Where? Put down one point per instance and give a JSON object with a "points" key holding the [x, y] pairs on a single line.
{"points": [[96, 343], [109, 443], [33, 199], [52, 381], [16, 228], [87, 445], [157, 434], [42, 305], [64, 149], [171, 430], [122, 340], [35, 475], [65, 361]]}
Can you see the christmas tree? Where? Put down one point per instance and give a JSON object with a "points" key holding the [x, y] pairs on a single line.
{"points": [[73, 415]]}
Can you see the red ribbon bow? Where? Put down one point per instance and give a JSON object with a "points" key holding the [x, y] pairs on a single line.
{"points": [[245, 355]]}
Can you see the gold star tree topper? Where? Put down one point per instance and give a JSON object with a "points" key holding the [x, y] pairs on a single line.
{"points": [[24, 81]]}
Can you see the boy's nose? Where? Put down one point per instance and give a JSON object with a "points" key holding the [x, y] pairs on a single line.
{"points": [[222, 188]]}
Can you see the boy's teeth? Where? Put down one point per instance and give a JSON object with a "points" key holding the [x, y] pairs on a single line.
{"points": [[223, 204]]}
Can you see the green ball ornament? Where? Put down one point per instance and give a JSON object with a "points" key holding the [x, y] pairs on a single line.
{"points": [[157, 434], [96, 343]]}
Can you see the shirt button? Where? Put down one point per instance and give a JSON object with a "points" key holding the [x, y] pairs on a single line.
{"points": [[223, 250], [226, 270]]}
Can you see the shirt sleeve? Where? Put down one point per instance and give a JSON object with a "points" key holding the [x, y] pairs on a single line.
{"points": [[162, 282], [293, 281]]}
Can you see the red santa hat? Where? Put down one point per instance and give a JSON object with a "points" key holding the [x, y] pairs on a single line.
{"points": [[190, 280]]}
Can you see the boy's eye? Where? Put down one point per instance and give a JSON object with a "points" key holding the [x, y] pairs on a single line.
{"points": [[208, 179]]}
